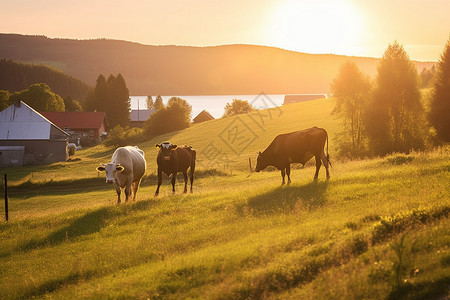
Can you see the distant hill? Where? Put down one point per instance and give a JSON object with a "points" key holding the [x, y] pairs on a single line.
{"points": [[180, 70], [16, 77]]}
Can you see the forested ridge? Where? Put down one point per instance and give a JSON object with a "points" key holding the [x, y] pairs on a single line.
{"points": [[16, 77], [181, 70]]}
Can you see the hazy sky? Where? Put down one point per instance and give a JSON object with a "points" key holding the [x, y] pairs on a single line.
{"points": [[351, 27]]}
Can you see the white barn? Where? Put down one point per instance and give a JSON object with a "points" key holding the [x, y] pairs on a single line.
{"points": [[43, 142]]}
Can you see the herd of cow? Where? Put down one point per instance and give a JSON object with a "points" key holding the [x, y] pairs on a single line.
{"points": [[128, 165]]}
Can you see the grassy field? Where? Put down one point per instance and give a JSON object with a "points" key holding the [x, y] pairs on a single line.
{"points": [[377, 229]]}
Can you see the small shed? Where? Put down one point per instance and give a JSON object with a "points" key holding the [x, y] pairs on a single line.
{"points": [[43, 141], [139, 116], [288, 99], [202, 117]]}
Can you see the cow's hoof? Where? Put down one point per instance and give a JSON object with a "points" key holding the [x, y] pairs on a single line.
{"points": [[156, 194], [192, 191]]}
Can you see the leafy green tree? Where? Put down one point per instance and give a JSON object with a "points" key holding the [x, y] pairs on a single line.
{"points": [[40, 97], [4, 100], [158, 104], [395, 116], [72, 104], [440, 103], [237, 107], [149, 102], [175, 116], [351, 89]]}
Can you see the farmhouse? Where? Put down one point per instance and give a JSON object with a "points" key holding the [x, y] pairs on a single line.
{"points": [[288, 99], [27, 137], [202, 117], [85, 128], [138, 117]]}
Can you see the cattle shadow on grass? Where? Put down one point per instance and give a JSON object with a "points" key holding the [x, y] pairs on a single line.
{"points": [[286, 199]]}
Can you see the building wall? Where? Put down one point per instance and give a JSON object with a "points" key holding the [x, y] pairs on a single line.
{"points": [[40, 151]]}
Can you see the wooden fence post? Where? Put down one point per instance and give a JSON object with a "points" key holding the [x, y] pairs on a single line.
{"points": [[6, 198]]}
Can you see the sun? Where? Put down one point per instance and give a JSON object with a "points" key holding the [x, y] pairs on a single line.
{"points": [[316, 26]]}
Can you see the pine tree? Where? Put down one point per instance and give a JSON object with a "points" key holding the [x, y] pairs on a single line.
{"points": [[112, 97], [395, 117], [440, 104], [149, 102], [158, 104]]}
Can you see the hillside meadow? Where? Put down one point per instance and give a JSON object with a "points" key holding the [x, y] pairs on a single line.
{"points": [[378, 228]]}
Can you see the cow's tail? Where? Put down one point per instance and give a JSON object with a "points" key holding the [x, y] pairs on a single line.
{"points": [[328, 155], [193, 158]]}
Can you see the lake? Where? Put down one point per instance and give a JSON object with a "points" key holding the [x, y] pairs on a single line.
{"points": [[215, 104]]}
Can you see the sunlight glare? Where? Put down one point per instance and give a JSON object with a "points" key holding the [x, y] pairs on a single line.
{"points": [[316, 26]]}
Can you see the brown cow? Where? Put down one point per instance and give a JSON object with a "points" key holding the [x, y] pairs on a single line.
{"points": [[172, 159], [295, 147]]}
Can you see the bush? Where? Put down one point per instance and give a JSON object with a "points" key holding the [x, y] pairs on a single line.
{"points": [[119, 137], [175, 116]]}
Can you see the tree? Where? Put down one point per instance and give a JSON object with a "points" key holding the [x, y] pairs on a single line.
{"points": [[4, 100], [158, 104], [175, 116], [440, 103], [426, 76], [351, 88], [72, 104], [112, 97], [149, 102], [237, 107], [395, 116], [39, 97]]}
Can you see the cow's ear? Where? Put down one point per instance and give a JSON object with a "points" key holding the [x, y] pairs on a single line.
{"points": [[158, 146], [174, 146], [119, 168], [101, 168]]}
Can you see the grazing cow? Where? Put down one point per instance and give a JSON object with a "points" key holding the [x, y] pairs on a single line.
{"points": [[125, 170], [295, 147], [172, 159]]}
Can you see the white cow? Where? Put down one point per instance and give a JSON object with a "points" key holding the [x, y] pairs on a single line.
{"points": [[126, 169]]}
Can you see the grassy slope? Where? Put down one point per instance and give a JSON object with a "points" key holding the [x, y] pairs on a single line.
{"points": [[238, 235]]}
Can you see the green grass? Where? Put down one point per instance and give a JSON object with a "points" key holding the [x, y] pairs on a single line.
{"points": [[377, 229]]}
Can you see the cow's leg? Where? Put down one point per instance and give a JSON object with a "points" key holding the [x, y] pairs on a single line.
{"points": [[325, 164], [118, 191], [191, 175], [185, 181], [174, 177], [283, 173], [159, 182], [318, 164], [127, 191], [288, 173], [135, 188]]}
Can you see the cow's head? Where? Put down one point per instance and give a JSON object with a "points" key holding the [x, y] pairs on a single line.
{"points": [[110, 170], [165, 150], [261, 162]]}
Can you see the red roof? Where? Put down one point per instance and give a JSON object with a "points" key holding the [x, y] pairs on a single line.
{"points": [[76, 119]]}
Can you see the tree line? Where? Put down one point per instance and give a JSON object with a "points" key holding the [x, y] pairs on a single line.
{"points": [[15, 77], [390, 114]]}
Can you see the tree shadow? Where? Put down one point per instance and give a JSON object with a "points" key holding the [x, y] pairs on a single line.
{"points": [[285, 199]]}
